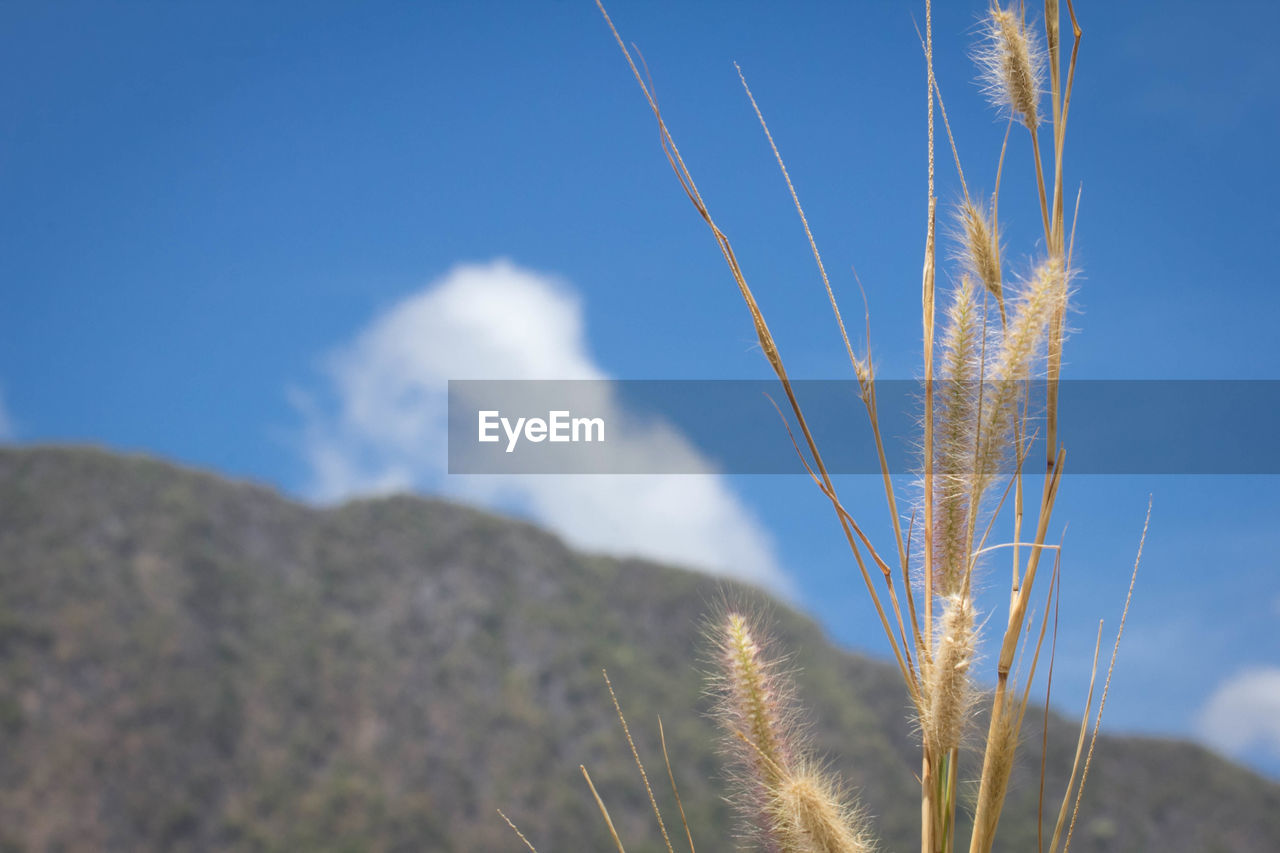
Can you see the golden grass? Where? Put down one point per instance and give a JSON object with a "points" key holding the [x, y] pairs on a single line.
{"points": [[995, 341]]}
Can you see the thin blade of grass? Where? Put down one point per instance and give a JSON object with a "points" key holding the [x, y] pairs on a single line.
{"points": [[995, 201], [928, 309], [662, 736], [1060, 117], [858, 366], [804, 221], [1075, 763], [1054, 581], [517, 831], [1055, 585], [603, 811], [1106, 685], [910, 675], [767, 344], [946, 125], [644, 777]]}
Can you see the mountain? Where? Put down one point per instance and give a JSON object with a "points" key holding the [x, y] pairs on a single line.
{"points": [[189, 664]]}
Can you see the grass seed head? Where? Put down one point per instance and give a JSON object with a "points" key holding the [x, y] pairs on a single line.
{"points": [[996, 770], [949, 694], [755, 700], [1042, 298], [810, 815], [1011, 63], [755, 709], [980, 248], [956, 428]]}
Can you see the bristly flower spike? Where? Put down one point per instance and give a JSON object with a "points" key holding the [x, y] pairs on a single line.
{"points": [[793, 804], [980, 248], [1012, 63]]}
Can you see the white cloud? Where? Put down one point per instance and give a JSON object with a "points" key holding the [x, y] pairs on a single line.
{"points": [[384, 426], [1242, 717]]}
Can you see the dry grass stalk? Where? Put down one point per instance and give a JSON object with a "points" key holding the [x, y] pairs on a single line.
{"points": [[972, 424], [517, 831], [604, 812], [1106, 686], [854, 535], [662, 736], [644, 777]]}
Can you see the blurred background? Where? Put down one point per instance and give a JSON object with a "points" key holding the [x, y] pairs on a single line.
{"points": [[259, 239]]}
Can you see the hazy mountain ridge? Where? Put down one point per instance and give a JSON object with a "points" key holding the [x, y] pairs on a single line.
{"points": [[188, 663]]}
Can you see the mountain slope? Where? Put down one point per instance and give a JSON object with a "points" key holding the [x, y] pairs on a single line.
{"points": [[188, 663]]}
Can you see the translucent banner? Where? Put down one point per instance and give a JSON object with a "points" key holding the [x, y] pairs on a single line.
{"points": [[734, 426]]}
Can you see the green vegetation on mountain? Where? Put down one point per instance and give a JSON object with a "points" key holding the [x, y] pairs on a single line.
{"points": [[188, 663]]}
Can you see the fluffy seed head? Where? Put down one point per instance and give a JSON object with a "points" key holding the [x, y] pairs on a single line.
{"points": [[980, 248], [754, 709], [947, 682], [787, 801], [1011, 63], [996, 768], [1044, 296], [810, 816], [954, 446], [754, 699]]}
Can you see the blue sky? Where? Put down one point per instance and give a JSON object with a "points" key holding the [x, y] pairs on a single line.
{"points": [[233, 232]]}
